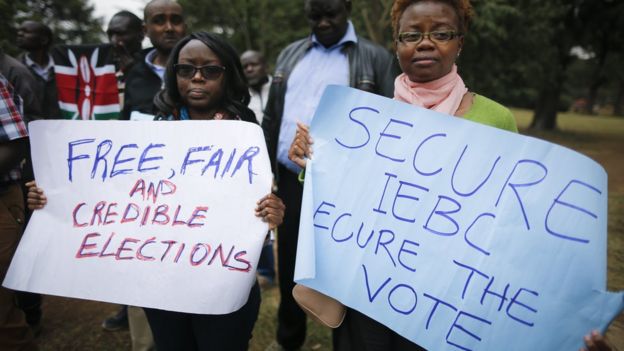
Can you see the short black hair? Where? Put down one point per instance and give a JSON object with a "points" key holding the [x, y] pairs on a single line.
{"points": [[44, 30], [135, 22], [236, 93]]}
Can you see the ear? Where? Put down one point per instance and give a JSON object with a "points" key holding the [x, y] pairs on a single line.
{"points": [[460, 45]]}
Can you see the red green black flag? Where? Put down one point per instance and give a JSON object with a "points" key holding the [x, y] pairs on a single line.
{"points": [[86, 81]]}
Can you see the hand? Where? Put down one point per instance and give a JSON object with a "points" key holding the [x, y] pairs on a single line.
{"points": [[301, 147], [271, 209], [122, 57], [35, 197], [596, 342]]}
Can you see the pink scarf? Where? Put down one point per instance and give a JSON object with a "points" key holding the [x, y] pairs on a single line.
{"points": [[441, 95]]}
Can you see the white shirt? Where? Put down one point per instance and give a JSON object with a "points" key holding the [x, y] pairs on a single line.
{"points": [[259, 99]]}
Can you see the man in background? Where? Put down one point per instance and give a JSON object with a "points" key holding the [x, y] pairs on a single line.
{"points": [[332, 54], [125, 33], [164, 26], [35, 39], [259, 80]]}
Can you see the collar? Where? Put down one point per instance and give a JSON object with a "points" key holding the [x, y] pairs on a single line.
{"points": [[159, 70], [31, 63], [349, 37]]}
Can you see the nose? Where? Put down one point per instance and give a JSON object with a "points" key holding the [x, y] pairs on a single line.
{"points": [[425, 43], [323, 23], [197, 76], [168, 26]]}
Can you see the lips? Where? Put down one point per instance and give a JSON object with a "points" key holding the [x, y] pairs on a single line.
{"points": [[424, 61], [197, 93], [170, 38]]}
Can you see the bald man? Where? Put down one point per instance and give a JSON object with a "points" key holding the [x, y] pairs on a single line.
{"points": [[164, 26]]}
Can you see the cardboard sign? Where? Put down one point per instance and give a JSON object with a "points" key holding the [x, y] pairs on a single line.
{"points": [[456, 235], [151, 214]]}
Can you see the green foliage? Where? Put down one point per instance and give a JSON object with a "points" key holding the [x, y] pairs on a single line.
{"points": [[488, 61], [71, 21], [8, 8], [264, 25], [372, 20], [518, 52]]}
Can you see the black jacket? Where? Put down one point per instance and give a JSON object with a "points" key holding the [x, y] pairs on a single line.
{"points": [[371, 68], [142, 84], [46, 90]]}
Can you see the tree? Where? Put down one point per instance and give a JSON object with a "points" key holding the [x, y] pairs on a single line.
{"points": [[602, 36], [71, 21], [264, 25], [372, 20], [491, 62]]}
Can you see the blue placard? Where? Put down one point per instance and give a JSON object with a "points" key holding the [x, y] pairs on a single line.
{"points": [[456, 235]]}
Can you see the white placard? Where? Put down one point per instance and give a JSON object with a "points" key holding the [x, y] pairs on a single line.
{"points": [[151, 214]]}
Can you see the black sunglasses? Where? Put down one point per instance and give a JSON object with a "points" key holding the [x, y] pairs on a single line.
{"points": [[209, 72]]}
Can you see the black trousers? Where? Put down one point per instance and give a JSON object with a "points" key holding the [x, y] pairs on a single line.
{"points": [[366, 334], [291, 323], [200, 332]]}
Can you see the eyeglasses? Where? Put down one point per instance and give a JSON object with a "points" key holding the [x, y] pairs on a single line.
{"points": [[440, 37], [209, 72]]}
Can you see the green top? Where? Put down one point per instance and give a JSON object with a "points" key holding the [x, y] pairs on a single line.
{"points": [[491, 113]]}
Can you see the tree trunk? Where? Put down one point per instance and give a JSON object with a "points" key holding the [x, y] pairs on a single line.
{"points": [[597, 77], [618, 104], [593, 95], [545, 115]]}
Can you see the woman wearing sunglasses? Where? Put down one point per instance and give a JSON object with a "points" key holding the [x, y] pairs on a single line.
{"points": [[204, 80], [429, 36]]}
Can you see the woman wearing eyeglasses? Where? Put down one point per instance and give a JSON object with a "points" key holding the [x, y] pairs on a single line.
{"points": [[429, 36], [204, 80]]}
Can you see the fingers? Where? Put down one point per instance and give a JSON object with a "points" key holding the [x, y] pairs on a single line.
{"points": [[36, 199], [304, 132], [299, 153], [300, 149], [596, 342], [271, 209]]}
